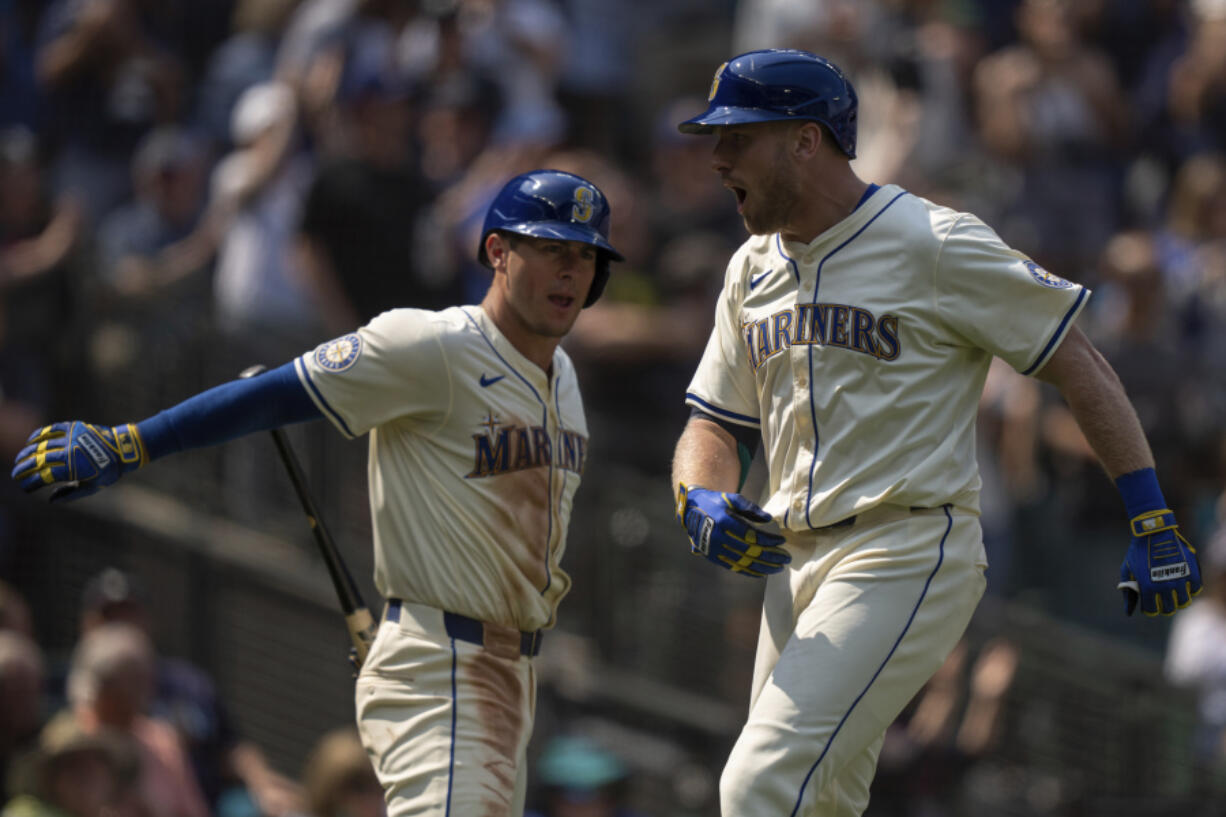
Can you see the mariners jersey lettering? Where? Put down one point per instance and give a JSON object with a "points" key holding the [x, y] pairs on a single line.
{"points": [[471, 446], [862, 355]]}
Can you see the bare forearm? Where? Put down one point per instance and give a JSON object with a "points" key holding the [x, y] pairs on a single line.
{"points": [[706, 457], [1100, 405]]}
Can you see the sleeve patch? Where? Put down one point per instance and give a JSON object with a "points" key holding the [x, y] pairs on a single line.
{"points": [[1046, 278], [339, 354]]}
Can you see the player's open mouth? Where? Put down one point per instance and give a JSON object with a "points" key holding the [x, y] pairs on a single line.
{"points": [[563, 301], [739, 192]]}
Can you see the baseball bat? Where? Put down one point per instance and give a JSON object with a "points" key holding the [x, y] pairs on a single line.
{"points": [[358, 619]]}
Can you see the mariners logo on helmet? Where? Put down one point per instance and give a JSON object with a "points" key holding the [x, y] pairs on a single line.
{"points": [[559, 205], [780, 84], [583, 209], [715, 81]]}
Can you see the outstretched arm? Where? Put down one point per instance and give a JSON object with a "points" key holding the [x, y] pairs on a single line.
{"points": [[78, 458], [1097, 400], [1160, 569]]}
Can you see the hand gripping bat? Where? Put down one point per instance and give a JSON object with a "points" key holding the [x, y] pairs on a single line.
{"points": [[357, 616]]}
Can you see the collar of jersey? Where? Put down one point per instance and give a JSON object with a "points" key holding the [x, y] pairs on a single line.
{"points": [[836, 233], [523, 367]]}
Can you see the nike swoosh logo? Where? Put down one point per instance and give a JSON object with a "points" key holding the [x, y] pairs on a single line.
{"points": [[757, 279], [489, 381]]}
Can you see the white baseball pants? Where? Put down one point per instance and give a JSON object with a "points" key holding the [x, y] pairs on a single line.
{"points": [[851, 631], [446, 722]]}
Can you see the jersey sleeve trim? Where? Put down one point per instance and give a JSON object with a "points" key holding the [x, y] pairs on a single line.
{"points": [[1060, 332], [723, 414], [305, 377], [744, 435]]}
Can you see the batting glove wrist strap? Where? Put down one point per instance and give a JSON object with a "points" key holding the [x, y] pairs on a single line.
{"points": [[730, 531], [78, 458], [1153, 522], [1160, 570]]}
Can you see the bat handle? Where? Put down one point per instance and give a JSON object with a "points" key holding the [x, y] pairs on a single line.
{"points": [[362, 632]]}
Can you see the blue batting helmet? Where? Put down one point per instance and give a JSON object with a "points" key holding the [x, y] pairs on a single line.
{"points": [[778, 84], [554, 204]]}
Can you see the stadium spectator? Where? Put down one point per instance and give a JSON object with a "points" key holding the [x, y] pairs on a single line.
{"points": [[1196, 655], [339, 780], [247, 57], [226, 767], [1051, 109], [110, 686], [253, 213], [39, 232], [168, 173], [21, 700], [15, 611], [1196, 85], [76, 772], [360, 213], [522, 45], [107, 81]]}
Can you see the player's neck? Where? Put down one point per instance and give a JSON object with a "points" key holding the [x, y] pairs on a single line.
{"points": [[537, 348], [833, 198]]}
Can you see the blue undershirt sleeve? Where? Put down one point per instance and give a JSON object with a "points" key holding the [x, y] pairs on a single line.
{"points": [[266, 401]]}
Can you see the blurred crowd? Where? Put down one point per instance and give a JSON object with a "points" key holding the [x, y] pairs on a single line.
{"points": [[187, 188], [113, 729]]}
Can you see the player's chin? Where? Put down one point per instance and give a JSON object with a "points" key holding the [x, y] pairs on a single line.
{"points": [[757, 224]]}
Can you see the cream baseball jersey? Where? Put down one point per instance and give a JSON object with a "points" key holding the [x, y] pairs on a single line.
{"points": [[475, 455], [861, 356]]}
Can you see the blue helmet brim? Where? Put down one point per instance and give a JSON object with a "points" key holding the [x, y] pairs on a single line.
{"points": [[719, 115], [564, 231]]}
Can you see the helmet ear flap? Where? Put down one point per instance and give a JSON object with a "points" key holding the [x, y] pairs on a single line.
{"points": [[599, 281]]}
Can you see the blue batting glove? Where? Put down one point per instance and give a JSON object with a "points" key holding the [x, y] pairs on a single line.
{"points": [[78, 458], [1160, 569], [728, 529]]}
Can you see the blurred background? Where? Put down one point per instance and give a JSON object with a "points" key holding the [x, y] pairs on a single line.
{"points": [[188, 187]]}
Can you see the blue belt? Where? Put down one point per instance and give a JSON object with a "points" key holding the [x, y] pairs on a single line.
{"points": [[471, 630], [851, 520]]}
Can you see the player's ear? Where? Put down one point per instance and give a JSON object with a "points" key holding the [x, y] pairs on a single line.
{"points": [[497, 247], [807, 139]]}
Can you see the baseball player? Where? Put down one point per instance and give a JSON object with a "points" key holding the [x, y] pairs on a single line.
{"points": [[852, 338], [477, 444]]}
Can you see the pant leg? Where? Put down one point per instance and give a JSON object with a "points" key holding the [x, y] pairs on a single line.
{"points": [[446, 723], [890, 603]]}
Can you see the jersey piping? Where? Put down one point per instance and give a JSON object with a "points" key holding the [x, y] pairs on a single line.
{"points": [[906, 628], [545, 424], [817, 285], [455, 705]]}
